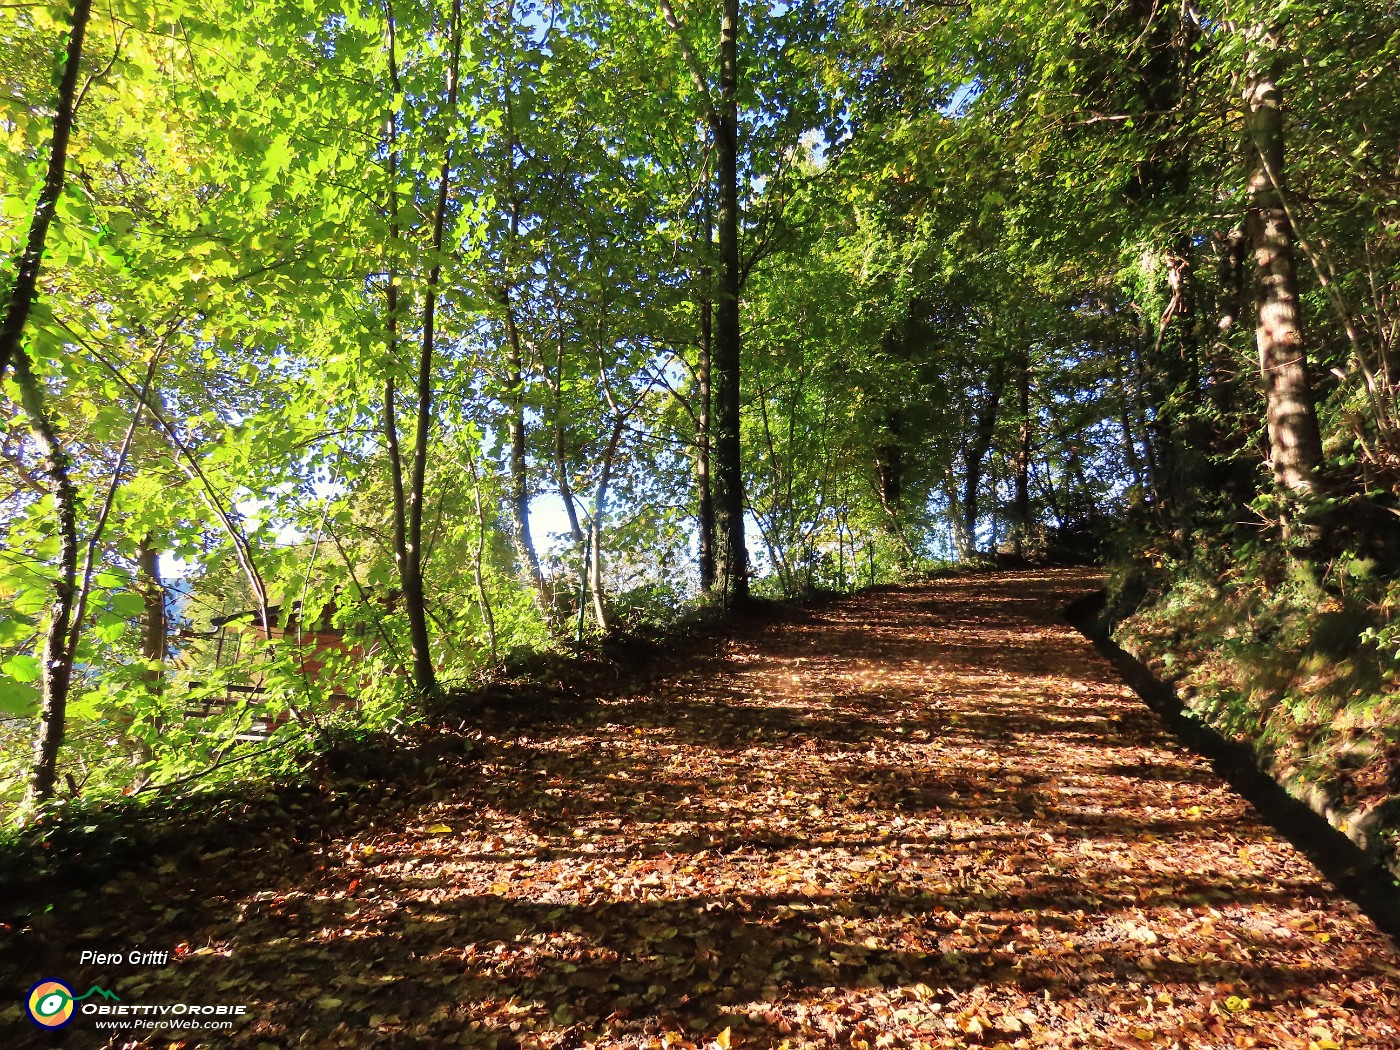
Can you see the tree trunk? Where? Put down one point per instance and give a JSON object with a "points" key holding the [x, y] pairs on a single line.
{"points": [[1022, 524], [994, 490], [973, 454], [56, 669], [1052, 500], [410, 587], [515, 381], [966, 534], [1232, 257], [414, 594], [26, 286], [56, 666], [957, 520], [972, 478], [561, 470], [1141, 401], [889, 467], [411, 571], [408, 502], [153, 628], [154, 638], [730, 573], [488, 615], [1294, 439], [566, 490], [1125, 423], [889, 485], [703, 482], [600, 502], [731, 557], [519, 466]]}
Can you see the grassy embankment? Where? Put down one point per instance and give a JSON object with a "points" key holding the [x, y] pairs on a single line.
{"points": [[1305, 672]]}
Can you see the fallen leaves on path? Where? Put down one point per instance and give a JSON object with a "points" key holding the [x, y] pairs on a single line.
{"points": [[925, 816]]}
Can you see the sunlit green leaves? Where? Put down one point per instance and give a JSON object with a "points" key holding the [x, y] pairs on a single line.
{"points": [[22, 668], [18, 699]]}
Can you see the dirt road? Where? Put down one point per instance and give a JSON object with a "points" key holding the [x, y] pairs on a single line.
{"points": [[925, 816]]}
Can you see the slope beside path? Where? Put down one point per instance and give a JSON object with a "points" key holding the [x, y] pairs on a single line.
{"points": [[923, 816]]}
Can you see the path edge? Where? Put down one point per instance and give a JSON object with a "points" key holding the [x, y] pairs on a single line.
{"points": [[1359, 874]]}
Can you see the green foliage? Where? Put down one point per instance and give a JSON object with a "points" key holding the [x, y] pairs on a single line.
{"points": [[987, 307], [1299, 667]]}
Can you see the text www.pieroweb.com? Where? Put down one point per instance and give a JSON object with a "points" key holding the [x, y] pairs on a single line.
{"points": [[149, 1023]]}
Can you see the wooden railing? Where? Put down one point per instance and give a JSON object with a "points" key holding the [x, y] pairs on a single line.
{"points": [[262, 723], [260, 726]]}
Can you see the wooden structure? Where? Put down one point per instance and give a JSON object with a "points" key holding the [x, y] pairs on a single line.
{"points": [[314, 642]]}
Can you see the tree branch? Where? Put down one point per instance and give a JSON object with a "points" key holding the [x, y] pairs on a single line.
{"points": [[692, 63]]}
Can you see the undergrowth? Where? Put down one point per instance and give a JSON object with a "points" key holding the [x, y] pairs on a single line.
{"points": [[1299, 661]]}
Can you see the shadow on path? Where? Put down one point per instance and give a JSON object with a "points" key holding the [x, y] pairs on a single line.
{"points": [[926, 816]]}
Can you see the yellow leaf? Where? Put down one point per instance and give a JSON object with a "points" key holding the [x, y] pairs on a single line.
{"points": [[723, 1039], [438, 829], [1145, 1034], [1325, 1044], [1235, 1004]]}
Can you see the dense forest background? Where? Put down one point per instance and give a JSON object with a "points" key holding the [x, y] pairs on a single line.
{"points": [[461, 330]]}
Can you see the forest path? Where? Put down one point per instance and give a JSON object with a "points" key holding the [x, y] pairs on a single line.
{"points": [[927, 815]]}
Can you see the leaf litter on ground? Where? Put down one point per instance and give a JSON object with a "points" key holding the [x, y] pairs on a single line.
{"points": [[923, 816]]}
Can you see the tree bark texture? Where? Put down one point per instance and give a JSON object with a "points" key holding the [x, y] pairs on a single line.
{"points": [[56, 660], [1295, 442], [26, 286], [153, 627]]}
